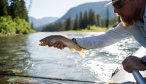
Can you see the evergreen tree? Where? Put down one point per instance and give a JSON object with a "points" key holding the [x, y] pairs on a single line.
{"points": [[81, 20], [3, 8], [92, 17], [76, 23], [18, 9], [14, 8], [107, 18], [85, 19], [68, 24], [97, 19], [23, 11]]}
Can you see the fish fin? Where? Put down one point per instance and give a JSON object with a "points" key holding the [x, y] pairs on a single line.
{"points": [[65, 36], [82, 53], [72, 49]]}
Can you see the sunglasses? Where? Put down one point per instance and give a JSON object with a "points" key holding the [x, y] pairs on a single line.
{"points": [[118, 4]]}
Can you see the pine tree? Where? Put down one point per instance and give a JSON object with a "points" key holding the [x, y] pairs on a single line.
{"points": [[14, 8], [107, 18], [92, 17], [3, 8], [81, 20], [18, 9], [76, 23], [68, 24], [85, 19], [23, 11]]}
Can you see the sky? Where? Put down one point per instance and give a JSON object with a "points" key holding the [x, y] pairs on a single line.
{"points": [[54, 8]]}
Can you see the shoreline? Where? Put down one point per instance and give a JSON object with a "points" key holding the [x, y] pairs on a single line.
{"points": [[3, 35]]}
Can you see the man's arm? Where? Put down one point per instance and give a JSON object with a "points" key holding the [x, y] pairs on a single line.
{"points": [[108, 38]]}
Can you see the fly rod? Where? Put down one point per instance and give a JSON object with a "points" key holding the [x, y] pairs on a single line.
{"points": [[138, 77], [60, 79]]}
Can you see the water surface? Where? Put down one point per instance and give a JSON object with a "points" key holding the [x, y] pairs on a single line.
{"points": [[22, 55]]}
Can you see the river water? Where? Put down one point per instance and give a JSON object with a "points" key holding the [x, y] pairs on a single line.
{"points": [[22, 55]]}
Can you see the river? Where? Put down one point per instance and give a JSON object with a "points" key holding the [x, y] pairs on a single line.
{"points": [[22, 55]]}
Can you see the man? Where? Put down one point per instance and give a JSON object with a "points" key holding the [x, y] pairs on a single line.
{"points": [[133, 22], [134, 11]]}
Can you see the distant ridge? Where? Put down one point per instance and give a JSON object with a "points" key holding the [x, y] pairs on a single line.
{"points": [[38, 23], [98, 7]]}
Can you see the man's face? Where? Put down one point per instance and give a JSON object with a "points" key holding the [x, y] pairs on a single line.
{"points": [[128, 11]]}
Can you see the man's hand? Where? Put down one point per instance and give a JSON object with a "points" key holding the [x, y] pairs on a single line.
{"points": [[131, 63]]}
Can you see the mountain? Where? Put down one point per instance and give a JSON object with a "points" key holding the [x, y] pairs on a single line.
{"points": [[98, 7], [38, 23]]}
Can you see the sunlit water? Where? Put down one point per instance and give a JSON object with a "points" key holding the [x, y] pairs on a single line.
{"points": [[22, 55]]}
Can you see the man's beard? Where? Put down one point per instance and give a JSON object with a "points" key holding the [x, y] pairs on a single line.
{"points": [[130, 20]]}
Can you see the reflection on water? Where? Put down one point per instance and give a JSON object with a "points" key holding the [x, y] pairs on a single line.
{"points": [[22, 55], [13, 54]]}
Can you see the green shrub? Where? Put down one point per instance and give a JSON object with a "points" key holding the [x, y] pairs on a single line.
{"points": [[7, 25], [14, 26], [22, 26]]}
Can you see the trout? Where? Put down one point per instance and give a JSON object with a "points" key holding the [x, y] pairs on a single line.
{"points": [[67, 42]]}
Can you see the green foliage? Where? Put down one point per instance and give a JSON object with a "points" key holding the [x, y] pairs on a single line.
{"points": [[16, 22], [22, 26], [10, 26], [13, 8], [7, 25]]}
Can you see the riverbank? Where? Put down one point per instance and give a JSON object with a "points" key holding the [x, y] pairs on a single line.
{"points": [[14, 34], [4, 35], [90, 29]]}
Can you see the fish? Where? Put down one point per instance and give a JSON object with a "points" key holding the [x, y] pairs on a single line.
{"points": [[66, 41]]}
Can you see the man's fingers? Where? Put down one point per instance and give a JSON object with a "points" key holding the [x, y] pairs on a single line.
{"points": [[57, 44], [50, 44], [131, 63], [61, 46]]}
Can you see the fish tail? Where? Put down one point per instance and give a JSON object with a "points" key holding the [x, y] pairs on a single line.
{"points": [[72, 49], [82, 53]]}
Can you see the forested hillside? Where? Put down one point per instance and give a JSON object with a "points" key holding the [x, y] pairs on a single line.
{"points": [[14, 17], [84, 16]]}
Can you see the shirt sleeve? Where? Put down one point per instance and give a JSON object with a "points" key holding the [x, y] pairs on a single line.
{"points": [[140, 52], [105, 39]]}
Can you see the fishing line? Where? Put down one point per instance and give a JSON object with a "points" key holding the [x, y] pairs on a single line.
{"points": [[60, 79]]}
